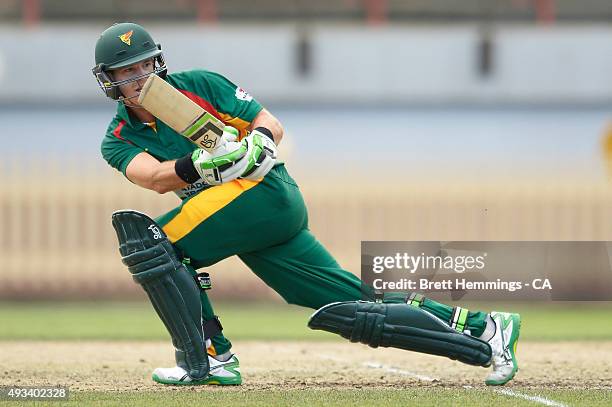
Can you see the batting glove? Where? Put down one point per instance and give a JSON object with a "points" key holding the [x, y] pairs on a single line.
{"points": [[226, 163], [261, 155]]}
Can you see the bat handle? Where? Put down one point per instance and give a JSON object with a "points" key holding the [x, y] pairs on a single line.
{"points": [[220, 143]]}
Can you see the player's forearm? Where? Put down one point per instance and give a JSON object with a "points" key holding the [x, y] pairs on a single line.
{"points": [[267, 120], [147, 172], [165, 179]]}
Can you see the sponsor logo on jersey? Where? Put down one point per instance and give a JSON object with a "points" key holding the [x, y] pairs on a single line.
{"points": [[242, 94], [126, 37], [191, 189]]}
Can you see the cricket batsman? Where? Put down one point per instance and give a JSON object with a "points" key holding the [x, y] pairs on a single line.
{"points": [[238, 200]]}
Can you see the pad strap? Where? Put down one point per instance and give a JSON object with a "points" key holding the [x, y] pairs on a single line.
{"points": [[415, 299], [458, 319], [203, 281]]}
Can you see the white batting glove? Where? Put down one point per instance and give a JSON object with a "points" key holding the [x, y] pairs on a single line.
{"points": [[226, 163], [230, 134], [261, 155]]}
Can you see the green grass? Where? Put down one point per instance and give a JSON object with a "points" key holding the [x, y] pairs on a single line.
{"points": [[138, 321], [331, 398], [263, 321], [266, 321]]}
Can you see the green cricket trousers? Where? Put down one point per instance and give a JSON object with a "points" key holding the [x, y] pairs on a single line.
{"points": [[265, 223]]}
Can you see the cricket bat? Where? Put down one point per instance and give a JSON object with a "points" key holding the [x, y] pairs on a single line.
{"points": [[181, 113]]}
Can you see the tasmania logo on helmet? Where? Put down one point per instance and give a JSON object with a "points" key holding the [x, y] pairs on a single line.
{"points": [[125, 38]]}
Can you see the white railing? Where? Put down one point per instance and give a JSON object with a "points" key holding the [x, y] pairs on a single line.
{"points": [[56, 237]]}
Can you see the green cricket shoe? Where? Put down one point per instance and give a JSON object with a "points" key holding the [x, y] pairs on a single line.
{"points": [[221, 373], [503, 347]]}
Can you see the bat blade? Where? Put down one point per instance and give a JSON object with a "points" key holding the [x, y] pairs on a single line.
{"points": [[180, 113]]}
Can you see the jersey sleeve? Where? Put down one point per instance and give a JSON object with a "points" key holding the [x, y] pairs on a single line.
{"points": [[117, 151], [236, 107]]}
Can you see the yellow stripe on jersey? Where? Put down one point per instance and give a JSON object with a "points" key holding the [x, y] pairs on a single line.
{"points": [[152, 125], [241, 124], [204, 205]]}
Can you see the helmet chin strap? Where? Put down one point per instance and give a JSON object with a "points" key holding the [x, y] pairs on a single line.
{"points": [[138, 110], [122, 98], [128, 99]]}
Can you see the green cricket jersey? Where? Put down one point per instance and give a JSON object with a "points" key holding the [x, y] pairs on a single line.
{"points": [[126, 136]]}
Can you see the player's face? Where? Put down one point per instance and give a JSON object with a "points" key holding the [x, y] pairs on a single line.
{"points": [[140, 70]]}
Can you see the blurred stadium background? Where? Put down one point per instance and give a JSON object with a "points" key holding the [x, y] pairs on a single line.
{"points": [[406, 120]]}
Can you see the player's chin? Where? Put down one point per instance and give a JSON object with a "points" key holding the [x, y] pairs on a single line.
{"points": [[132, 100], [130, 96]]}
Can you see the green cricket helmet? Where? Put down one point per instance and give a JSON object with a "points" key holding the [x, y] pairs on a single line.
{"points": [[120, 45]]}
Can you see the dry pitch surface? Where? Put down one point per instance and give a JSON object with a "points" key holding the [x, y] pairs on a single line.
{"points": [[126, 366]]}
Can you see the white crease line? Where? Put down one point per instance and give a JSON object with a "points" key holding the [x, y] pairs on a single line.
{"points": [[402, 372], [388, 369], [535, 399]]}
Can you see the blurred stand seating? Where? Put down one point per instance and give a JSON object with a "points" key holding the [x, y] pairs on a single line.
{"points": [[76, 11]]}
